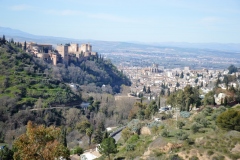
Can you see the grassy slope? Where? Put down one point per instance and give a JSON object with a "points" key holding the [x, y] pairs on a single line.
{"points": [[22, 79]]}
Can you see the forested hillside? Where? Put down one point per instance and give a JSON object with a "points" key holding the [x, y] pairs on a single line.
{"points": [[91, 70], [24, 83], [29, 84]]}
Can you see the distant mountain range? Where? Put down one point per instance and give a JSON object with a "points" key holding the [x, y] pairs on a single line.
{"points": [[100, 45]]}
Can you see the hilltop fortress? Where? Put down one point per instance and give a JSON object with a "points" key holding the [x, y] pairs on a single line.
{"points": [[61, 54]]}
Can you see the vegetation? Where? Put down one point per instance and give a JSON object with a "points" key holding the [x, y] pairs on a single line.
{"points": [[229, 120], [6, 153], [28, 87], [23, 82], [31, 89], [108, 146], [40, 142], [184, 99]]}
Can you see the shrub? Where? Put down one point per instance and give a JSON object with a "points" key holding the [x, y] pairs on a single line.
{"points": [[180, 124], [190, 141], [130, 147], [77, 150], [207, 111], [181, 135], [194, 158], [229, 119], [158, 153], [210, 152], [175, 157], [195, 127], [133, 139], [126, 134], [218, 158], [165, 133]]}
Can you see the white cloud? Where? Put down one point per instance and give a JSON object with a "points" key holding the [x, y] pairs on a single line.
{"points": [[210, 20], [102, 16], [113, 18], [65, 12], [20, 7]]}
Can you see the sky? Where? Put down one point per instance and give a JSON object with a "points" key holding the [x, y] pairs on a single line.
{"points": [[194, 21]]}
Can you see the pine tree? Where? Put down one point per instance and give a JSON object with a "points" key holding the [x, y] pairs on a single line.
{"points": [[108, 146]]}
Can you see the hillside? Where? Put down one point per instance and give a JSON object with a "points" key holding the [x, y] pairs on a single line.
{"points": [[28, 81], [200, 137], [23, 81], [29, 84], [93, 71]]}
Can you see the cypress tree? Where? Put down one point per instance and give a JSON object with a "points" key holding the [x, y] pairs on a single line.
{"points": [[63, 138], [159, 101], [25, 46], [3, 39]]}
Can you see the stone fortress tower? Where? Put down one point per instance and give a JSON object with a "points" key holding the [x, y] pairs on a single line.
{"points": [[63, 51], [84, 50], [73, 48], [62, 54]]}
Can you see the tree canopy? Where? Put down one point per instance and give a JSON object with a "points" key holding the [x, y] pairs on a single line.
{"points": [[232, 69], [40, 142], [183, 99], [108, 146], [229, 120]]}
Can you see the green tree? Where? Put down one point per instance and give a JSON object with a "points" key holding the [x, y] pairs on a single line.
{"points": [[153, 107], [181, 135], [6, 153], [82, 126], [148, 90], [6, 83], [159, 101], [229, 120], [181, 75], [63, 138], [232, 69], [195, 127], [108, 146], [180, 124], [96, 105], [144, 89], [105, 134], [77, 150], [89, 132], [165, 133], [25, 46], [3, 39], [177, 84], [162, 93], [225, 101], [98, 136]]}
